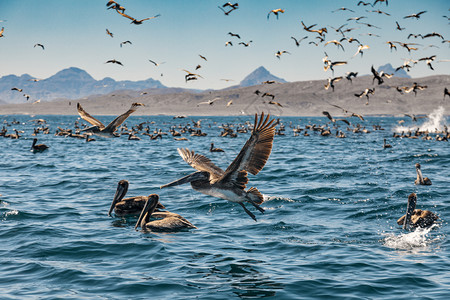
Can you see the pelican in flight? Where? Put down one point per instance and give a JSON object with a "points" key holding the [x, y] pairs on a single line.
{"points": [[231, 183], [164, 220], [127, 206], [416, 217], [420, 180], [98, 127]]}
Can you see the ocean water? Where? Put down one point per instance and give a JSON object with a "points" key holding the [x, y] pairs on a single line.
{"points": [[329, 230]]}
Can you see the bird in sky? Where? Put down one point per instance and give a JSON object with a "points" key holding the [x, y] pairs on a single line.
{"points": [[155, 63], [275, 12], [109, 33], [126, 42], [209, 102], [336, 42], [399, 27], [1, 32], [416, 16], [202, 57], [360, 49], [234, 35], [297, 42], [39, 45], [330, 82], [136, 21], [279, 53], [113, 61]]}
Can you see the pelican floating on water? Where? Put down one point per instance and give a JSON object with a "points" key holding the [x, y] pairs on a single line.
{"points": [[165, 220], [231, 183], [38, 148], [420, 180], [98, 127], [416, 217], [128, 206]]}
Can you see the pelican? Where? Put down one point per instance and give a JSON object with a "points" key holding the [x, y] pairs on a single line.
{"points": [[38, 148], [213, 149], [165, 220], [420, 180], [127, 206], [386, 145], [416, 217], [98, 127], [230, 184]]}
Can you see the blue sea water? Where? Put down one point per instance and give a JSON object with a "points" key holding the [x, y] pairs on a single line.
{"points": [[329, 231]]}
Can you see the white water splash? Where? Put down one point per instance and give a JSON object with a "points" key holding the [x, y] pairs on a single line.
{"points": [[434, 122], [417, 239]]}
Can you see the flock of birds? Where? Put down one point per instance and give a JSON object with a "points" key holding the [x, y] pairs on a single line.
{"points": [[209, 179]]}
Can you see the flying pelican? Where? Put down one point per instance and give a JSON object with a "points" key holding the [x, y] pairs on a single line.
{"points": [[398, 26], [127, 206], [297, 42], [330, 82], [126, 42], [327, 114], [135, 21], [165, 220], [417, 16], [98, 127], [39, 45], [416, 217], [280, 52], [1, 32], [420, 180], [234, 34], [109, 33], [360, 49], [230, 184], [113, 61], [275, 12], [209, 102], [155, 63], [38, 148]]}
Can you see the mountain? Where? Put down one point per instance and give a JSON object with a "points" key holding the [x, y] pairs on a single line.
{"points": [[387, 68], [258, 76], [71, 83]]}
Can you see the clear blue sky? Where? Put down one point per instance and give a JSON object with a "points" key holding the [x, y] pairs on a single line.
{"points": [[74, 35]]}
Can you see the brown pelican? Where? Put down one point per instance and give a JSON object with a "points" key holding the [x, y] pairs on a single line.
{"points": [[386, 145], [420, 180], [230, 184], [165, 220], [98, 127], [38, 148], [127, 206], [213, 149], [416, 217]]}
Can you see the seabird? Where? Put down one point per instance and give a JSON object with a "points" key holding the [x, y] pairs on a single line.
{"points": [[231, 183], [416, 217]]}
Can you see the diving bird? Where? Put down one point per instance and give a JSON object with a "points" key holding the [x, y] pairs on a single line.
{"points": [[98, 127], [231, 183], [420, 179], [330, 82], [446, 93], [164, 221], [127, 206], [360, 49], [416, 217], [38, 148]]}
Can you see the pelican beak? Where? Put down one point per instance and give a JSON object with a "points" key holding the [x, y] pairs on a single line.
{"points": [[199, 175], [412, 200], [149, 208], [120, 193]]}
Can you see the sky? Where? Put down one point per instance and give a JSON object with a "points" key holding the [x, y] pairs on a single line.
{"points": [[74, 35]]}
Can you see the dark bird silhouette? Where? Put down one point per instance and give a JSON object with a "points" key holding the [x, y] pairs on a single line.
{"points": [[342, 9], [38, 148], [363, 3], [331, 81], [446, 93], [428, 35], [98, 127], [428, 61], [416, 16], [113, 61], [213, 149], [16, 89], [386, 145], [333, 120], [135, 21], [376, 1], [234, 35], [126, 42], [39, 45], [297, 42], [275, 103], [280, 52], [398, 26], [268, 95], [349, 75], [109, 33], [366, 93], [321, 31], [202, 57], [379, 75], [245, 44]]}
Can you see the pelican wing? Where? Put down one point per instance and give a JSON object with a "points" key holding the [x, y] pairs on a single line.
{"points": [[88, 118], [200, 163], [120, 119], [255, 152]]}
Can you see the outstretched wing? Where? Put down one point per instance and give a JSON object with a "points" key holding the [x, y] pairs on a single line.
{"points": [[120, 119], [255, 152], [201, 163], [88, 118]]}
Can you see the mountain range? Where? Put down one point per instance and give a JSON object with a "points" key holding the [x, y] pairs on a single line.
{"points": [[74, 83]]}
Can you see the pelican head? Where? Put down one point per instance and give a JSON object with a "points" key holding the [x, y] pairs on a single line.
{"points": [[412, 200], [417, 166], [196, 176], [147, 211], [121, 191]]}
